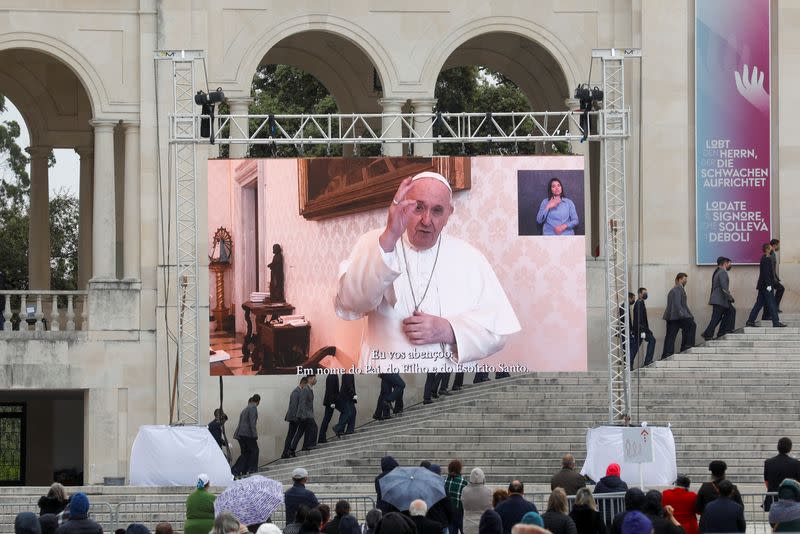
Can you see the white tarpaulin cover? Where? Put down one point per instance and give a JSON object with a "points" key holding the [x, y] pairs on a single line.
{"points": [[604, 446], [174, 455]]}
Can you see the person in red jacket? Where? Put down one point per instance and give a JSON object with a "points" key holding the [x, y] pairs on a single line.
{"points": [[682, 502]]}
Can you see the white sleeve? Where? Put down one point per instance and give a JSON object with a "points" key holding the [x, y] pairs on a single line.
{"points": [[365, 277], [483, 330]]}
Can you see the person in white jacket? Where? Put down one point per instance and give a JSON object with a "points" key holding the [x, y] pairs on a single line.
{"points": [[432, 301]]}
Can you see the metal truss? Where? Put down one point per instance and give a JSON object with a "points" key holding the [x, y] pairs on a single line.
{"points": [[613, 122], [184, 172], [371, 128], [614, 127]]}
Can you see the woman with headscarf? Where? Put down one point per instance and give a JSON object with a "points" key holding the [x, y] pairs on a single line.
{"points": [[200, 508], [476, 496], [683, 502], [785, 514]]}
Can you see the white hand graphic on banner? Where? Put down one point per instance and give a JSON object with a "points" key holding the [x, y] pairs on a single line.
{"points": [[751, 86]]}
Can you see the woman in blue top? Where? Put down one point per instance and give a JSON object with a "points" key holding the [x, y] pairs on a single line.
{"points": [[557, 212]]}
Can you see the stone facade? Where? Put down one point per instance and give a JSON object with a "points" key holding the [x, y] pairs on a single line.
{"points": [[82, 74]]}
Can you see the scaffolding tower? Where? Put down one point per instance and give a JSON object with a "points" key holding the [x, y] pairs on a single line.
{"points": [[613, 128]]}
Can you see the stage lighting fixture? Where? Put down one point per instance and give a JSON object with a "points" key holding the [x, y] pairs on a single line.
{"points": [[208, 102]]}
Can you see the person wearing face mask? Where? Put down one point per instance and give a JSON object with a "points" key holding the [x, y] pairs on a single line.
{"points": [[641, 329], [432, 301], [678, 317], [723, 314]]}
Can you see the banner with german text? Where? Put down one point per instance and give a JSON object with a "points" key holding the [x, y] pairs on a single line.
{"points": [[732, 129]]}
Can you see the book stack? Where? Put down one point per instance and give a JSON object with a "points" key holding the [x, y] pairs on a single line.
{"points": [[257, 296]]}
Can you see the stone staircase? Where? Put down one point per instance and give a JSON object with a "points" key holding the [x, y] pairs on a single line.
{"points": [[729, 399]]}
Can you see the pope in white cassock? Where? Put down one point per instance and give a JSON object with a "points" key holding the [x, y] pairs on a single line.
{"points": [[431, 300]]}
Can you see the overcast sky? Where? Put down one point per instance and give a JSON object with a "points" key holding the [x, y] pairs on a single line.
{"points": [[66, 173]]}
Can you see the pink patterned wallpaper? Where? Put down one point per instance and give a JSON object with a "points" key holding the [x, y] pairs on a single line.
{"points": [[544, 277]]}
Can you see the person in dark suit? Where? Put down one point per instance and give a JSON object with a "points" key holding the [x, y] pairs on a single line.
{"points": [[433, 386], [514, 507], [678, 317], [417, 510], [723, 514], [641, 328], [765, 286], [779, 289], [778, 468], [305, 414], [329, 402], [292, 419], [247, 436], [721, 300], [392, 388], [298, 495], [347, 406], [444, 385]]}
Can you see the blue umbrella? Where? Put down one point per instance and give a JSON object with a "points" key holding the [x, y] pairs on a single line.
{"points": [[251, 500], [405, 484]]}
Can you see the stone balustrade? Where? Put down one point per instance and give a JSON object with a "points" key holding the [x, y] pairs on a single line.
{"points": [[44, 311]]}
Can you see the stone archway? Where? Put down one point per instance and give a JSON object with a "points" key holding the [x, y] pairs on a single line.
{"points": [[57, 110], [524, 61]]}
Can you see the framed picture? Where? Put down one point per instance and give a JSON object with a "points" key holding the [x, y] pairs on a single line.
{"points": [[331, 187]]}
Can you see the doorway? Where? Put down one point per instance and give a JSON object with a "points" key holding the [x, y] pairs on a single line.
{"points": [[12, 443]]}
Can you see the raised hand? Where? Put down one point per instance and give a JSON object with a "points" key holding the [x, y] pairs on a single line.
{"points": [[751, 86], [397, 218], [554, 202]]}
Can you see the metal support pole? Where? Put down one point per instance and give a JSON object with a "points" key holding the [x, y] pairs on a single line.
{"points": [[614, 127], [183, 170]]}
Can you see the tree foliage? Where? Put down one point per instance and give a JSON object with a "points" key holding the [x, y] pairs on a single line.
{"points": [[285, 90], [480, 90], [282, 89]]}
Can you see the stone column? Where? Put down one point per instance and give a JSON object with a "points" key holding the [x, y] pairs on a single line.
{"points": [[423, 105], [39, 222], [392, 126], [86, 153], [104, 259], [132, 204], [239, 106]]}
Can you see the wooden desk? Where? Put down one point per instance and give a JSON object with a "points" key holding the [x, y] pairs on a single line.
{"points": [[264, 312], [279, 346]]}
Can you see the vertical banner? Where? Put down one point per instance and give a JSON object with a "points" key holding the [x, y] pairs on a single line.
{"points": [[732, 129]]}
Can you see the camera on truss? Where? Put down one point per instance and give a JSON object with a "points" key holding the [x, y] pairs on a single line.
{"points": [[208, 102]]}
